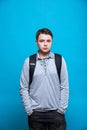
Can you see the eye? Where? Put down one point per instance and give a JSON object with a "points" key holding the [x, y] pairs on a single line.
{"points": [[48, 40], [41, 40]]}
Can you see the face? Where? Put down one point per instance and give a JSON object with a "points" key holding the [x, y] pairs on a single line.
{"points": [[44, 43]]}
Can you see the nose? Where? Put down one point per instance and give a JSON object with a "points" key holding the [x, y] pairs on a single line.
{"points": [[45, 43]]}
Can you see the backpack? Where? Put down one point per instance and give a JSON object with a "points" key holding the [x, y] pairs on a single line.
{"points": [[32, 64]]}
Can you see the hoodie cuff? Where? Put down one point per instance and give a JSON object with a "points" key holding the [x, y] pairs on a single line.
{"points": [[61, 110], [30, 112]]}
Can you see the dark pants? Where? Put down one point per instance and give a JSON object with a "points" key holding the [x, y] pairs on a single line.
{"points": [[51, 120]]}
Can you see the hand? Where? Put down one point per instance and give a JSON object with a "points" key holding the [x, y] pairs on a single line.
{"points": [[61, 112]]}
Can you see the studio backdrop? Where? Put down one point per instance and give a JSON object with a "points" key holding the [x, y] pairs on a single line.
{"points": [[19, 21]]}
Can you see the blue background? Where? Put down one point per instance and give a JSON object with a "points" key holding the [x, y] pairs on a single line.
{"points": [[19, 21]]}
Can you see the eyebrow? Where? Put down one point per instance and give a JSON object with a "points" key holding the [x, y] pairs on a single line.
{"points": [[44, 40]]}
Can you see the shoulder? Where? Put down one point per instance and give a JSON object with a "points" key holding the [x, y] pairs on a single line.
{"points": [[28, 58], [26, 62], [58, 55]]}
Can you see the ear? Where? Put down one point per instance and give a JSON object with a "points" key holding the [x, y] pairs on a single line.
{"points": [[36, 42]]}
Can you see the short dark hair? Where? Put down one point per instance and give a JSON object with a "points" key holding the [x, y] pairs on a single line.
{"points": [[43, 31]]}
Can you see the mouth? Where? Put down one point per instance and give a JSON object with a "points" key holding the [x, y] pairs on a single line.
{"points": [[45, 48]]}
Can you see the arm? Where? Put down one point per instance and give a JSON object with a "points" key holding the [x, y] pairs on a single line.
{"points": [[24, 87], [64, 87]]}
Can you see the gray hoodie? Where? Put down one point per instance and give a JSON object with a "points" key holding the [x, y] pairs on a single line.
{"points": [[45, 92]]}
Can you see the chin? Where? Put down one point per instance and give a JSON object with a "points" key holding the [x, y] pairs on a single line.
{"points": [[47, 51]]}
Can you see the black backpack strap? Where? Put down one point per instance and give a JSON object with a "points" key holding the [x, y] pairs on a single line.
{"points": [[58, 62], [32, 64]]}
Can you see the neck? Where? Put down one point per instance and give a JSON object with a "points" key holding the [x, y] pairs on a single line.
{"points": [[43, 54]]}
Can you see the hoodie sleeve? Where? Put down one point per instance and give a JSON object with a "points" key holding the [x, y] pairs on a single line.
{"points": [[24, 87], [64, 87]]}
